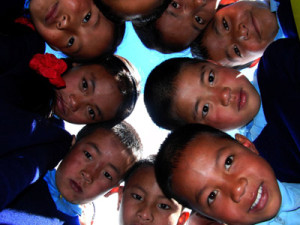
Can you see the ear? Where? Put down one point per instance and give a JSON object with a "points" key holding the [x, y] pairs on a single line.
{"points": [[183, 218], [246, 142], [73, 140]]}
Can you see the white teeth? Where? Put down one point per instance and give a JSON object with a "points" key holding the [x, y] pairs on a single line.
{"points": [[257, 197]]}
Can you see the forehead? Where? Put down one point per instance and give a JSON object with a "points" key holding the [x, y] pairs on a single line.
{"points": [[143, 177]]}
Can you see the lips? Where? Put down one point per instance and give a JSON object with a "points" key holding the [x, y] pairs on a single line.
{"points": [[75, 186], [242, 100], [51, 14], [261, 199], [60, 106], [256, 27]]}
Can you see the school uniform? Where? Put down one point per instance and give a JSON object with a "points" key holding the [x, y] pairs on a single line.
{"points": [[278, 76], [36, 205]]}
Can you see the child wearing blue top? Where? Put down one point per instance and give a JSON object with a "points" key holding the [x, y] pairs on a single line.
{"points": [[96, 162], [76, 28], [224, 179], [239, 33]]}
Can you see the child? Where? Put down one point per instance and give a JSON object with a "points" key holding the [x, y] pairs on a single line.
{"points": [[224, 179], [101, 90], [240, 33], [142, 202], [186, 90], [134, 10], [178, 26], [96, 162], [76, 28]]}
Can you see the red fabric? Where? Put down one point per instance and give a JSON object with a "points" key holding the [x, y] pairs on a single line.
{"points": [[256, 61], [25, 21], [226, 2], [50, 67]]}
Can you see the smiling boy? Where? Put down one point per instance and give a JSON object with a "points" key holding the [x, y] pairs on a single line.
{"points": [[95, 163], [224, 179], [240, 33]]}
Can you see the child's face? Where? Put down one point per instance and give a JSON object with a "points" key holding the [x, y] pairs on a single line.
{"points": [[129, 9], [91, 95], [226, 181], [183, 21], [214, 95], [240, 33], [144, 203], [74, 27], [95, 164]]}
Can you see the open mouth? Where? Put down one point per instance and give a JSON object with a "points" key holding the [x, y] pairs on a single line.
{"points": [[260, 200]]}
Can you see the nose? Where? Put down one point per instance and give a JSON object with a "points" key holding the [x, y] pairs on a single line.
{"points": [[75, 102], [63, 22], [145, 213], [222, 95], [238, 189], [243, 32], [87, 177]]}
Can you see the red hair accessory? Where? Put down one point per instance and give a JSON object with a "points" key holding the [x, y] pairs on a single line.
{"points": [[25, 21], [50, 67], [227, 2]]}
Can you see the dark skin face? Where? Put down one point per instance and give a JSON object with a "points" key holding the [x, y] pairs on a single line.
{"points": [[221, 172], [183, 21], [239, 33]]}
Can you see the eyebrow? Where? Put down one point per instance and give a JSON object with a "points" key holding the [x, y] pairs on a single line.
{"points": [[195, 111], [114, 168], [94, 146], [99, 112]]}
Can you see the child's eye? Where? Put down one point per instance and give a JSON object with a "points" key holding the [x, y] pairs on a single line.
{"points": [[205, 110], [137, 197], [85, 84], [88, 155], [175, 5], [164, 206], [70, 42], [228, 162], [237, 51], [91, 113], [225, 24], [107, 175], [87, 17], [212, 196], [211, 78], [199, 20]]}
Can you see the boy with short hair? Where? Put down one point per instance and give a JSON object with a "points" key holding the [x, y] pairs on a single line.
{"points": [[239, 33], [96, 162], [225, 179], [141, 201]]}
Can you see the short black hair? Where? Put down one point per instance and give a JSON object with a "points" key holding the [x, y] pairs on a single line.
{"points": [[160, 90], [123, 131], [143, 163], [172, 150], [110, 14]]}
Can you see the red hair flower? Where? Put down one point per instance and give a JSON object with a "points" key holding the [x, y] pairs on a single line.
{"points": [[25, 21], [50, 67]]}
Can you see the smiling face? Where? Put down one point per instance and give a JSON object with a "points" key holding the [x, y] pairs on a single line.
{"points": [[144, 203], [183, 21], [214, 95], [95, 164], [240, 33], [221, 172], [72, 25], [91, 95], [129, 9]]}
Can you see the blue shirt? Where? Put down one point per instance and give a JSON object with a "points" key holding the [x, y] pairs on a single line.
{"points": [[289, 212]]}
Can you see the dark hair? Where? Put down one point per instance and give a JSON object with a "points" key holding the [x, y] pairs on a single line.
{"points": [[160, 90], [143, 163], [152, 38], [128, 80], [123, 131], [173, 148], [113, 16]]}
